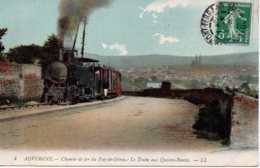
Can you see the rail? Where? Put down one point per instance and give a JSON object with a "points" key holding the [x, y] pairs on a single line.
{"points": [[6, 108], [2, 109]]}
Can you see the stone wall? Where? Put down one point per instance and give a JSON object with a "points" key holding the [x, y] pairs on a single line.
{"points": [[19, 82], [10, 80], [32, 81], [244, 133]]}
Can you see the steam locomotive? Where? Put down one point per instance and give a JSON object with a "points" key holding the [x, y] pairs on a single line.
{"points": [[75, 80]]}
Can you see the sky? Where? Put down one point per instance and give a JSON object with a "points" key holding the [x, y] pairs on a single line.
{"points": [[125, 27]]}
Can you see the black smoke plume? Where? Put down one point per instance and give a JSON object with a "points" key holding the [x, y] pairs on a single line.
{"points": [[72, 13]]}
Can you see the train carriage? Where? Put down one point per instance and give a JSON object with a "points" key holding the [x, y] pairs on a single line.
{"points": [[113, 77]]}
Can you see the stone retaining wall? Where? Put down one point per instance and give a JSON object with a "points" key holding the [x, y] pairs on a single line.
{"points": [[18, 82], [244, 133]]}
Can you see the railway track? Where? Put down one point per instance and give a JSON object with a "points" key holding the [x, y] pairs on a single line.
{"points": [[8, 108]]}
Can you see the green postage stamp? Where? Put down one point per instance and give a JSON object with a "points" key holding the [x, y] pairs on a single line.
{"points": [[227, 23]]}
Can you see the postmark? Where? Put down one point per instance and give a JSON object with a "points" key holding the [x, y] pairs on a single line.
{"points": [[208, 24], [227, 23]]}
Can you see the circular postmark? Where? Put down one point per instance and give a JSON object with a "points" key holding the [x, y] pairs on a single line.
{"points": [[208, 24]]}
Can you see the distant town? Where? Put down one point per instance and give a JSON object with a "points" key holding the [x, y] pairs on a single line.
{"points": [[239, 78]]}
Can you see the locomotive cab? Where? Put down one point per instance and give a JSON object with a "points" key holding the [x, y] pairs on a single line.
{"points": [[82, 76]]}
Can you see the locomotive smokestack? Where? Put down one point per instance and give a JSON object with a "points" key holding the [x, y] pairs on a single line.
{"points": [[83, 39], [75, 38], [71, 11]]}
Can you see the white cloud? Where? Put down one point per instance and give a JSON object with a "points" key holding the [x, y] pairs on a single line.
{"points": [[163, 39], [104, 45], [121, 48], [159, 6]]}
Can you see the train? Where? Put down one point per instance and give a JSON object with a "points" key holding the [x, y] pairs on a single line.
{"points": [[80, 80], [73, 79]]}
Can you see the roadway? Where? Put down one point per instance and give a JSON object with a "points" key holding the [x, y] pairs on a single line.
{"points": [[134, 123]]}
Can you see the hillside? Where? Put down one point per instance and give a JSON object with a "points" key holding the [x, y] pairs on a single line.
{"points": [[168, 60]]}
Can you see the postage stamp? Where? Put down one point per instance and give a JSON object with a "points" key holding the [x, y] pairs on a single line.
{"points": [[227, 23], [233, 23]]}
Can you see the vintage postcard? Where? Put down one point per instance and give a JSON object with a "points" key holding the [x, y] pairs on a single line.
{"points": [[129, 82]]}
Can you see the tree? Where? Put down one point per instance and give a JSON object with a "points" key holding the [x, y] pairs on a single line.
{"points": [[25, 54], [2, 48], [52, 44], [3, 58], [51, 49], [244, 88], [140, 82], [2, 33], [28, 54]]}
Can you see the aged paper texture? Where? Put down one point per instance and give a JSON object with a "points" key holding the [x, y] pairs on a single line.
{"points": [[129, 82]]}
